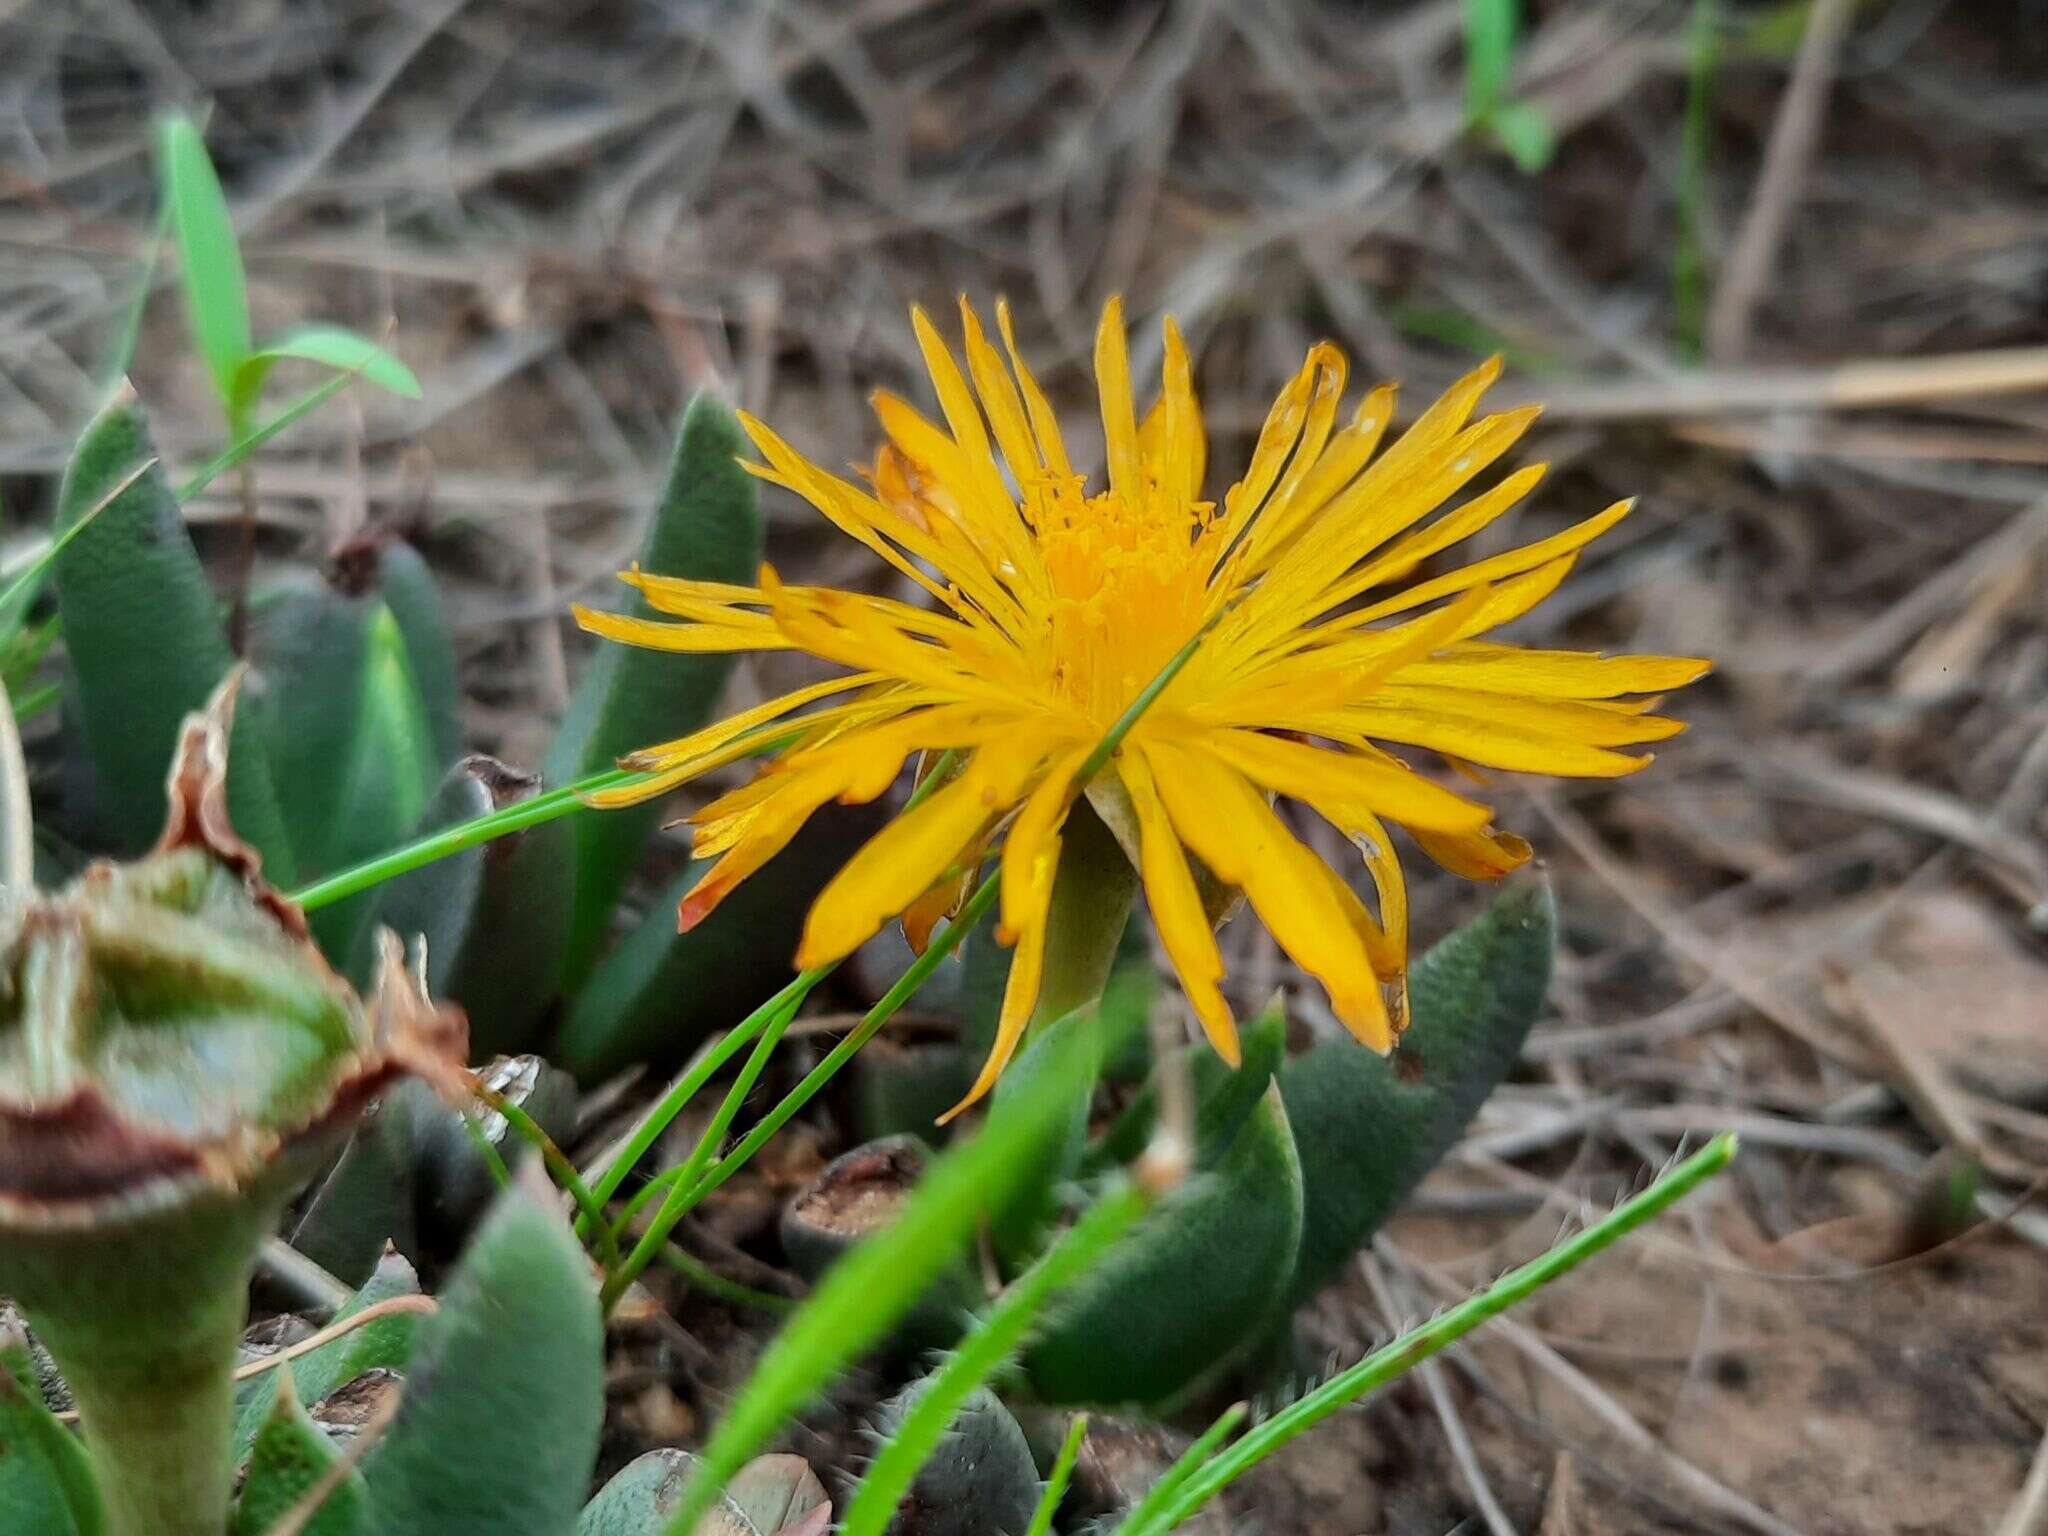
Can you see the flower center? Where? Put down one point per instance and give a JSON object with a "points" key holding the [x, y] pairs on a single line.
{"points": [[1129, 587]]}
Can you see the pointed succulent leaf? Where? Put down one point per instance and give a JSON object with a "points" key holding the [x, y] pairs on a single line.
{"points": [[1369, 1128], [1200, 1279], [494, 918], [290, 1457], [408, 588], [382, 1344], [504, 1400], [46, 1482], [644, 1494], [980, 1481], [144, 635], [707, 526]]}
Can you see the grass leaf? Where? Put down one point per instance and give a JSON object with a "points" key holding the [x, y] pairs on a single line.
{"points": [[216, 291], [344, 351]]}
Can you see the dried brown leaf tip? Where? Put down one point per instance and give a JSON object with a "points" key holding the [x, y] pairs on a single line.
{"points": [[167, 1027]]}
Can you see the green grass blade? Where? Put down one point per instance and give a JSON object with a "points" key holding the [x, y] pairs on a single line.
{"points": [[344, 351], [216, 291], [1418, 1344], [1062, 1473], [466, 834], [870, 1288], [1490, 28], [250, 441], [988, 1346], [1145, 1514]]}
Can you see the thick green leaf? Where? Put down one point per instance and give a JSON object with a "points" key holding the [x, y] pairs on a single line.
{"points": [[1016, 1226], [354, 752], [290, 1456], [1203, 1276], [147, 648], [216, 292], [343, 351], [644, 1493], [46, 1482], [1370, 1128], [708, 526], [656, 996], [408, 588], [494, 917], [978, 1479], [504, 1398], [383, 1343]]}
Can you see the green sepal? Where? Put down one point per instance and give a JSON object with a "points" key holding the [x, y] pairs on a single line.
{"points": [[708, 527], [290, 1456], [643, 1495], [504, 1402], [383, 1343], [46, 1479], [659, 993], [1369, 1128], [143, 631], [495, 917], [1202, 1278]]}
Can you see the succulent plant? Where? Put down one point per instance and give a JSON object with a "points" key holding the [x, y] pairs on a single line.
{"points": [[175, 1058], [981, 1481]]}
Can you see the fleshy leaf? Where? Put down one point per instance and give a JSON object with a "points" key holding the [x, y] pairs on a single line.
{"points": [[1370, 1128], [505, 1393], [707, 526], [290, 1456]]}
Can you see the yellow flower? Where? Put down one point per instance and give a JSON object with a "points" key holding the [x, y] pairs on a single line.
{"points": [[1053, 606]]}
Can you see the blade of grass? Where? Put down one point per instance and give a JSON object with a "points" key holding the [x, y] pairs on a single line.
{"points": [[1145, 1513], [871, 1287], [684, 1198], [248, 442], [465, 834], [331, 346], [624, 1274], [1384, 1364], [216, 290], [1062, 1473], [987, 1348]]}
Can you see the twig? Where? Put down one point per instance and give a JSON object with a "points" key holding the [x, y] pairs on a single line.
{"points": [[1778, 188]]}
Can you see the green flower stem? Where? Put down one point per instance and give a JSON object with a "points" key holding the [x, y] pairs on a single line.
{"points": [[1418, 1344]]}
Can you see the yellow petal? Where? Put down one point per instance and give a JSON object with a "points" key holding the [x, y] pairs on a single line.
{"points": [[1345, 787], [1045, 425], [1230, 828], [1020, 993], [901, 861], [1119, 413], [1177, 911], [1484, 855]]}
